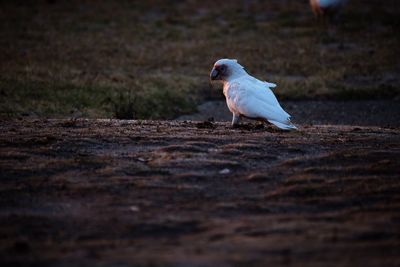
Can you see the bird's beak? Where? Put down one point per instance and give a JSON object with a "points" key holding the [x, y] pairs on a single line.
{"points": [[214, 74]]}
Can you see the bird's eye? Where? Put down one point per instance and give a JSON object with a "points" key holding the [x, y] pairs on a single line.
{"points": [[222, 68]]}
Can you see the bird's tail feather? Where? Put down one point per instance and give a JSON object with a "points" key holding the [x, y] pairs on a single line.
{"points": [[285, 126]]}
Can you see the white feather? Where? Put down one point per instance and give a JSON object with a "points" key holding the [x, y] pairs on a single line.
{"points": [[249, 97]]}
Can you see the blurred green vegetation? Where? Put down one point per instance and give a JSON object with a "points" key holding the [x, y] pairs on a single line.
{"points": [[154, 97], [151, 59]]}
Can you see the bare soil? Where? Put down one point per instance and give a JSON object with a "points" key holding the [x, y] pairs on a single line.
{"points": [[187, 193]]}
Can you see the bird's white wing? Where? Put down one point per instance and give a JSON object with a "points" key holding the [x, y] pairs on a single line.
{"points": [[254, 107], [256, 103], [259, 83], [270, 85], [251, 100], [259, 90]]}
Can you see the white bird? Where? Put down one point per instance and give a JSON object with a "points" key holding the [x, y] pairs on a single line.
{"points": [[247, 96], [327, 9]]}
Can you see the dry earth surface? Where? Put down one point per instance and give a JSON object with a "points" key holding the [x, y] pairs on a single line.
{"points": [[185, 193]]}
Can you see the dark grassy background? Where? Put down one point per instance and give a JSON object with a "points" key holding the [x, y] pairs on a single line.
{"points": [[151, 59]]}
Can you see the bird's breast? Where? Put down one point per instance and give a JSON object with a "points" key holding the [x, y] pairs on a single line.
{"points": [[235, 92]]}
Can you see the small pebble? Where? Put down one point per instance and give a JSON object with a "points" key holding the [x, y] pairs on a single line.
{"points": [[225, 171], [134, 208]]}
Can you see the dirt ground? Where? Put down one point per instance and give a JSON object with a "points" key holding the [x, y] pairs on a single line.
{"points": [[186, 193]]}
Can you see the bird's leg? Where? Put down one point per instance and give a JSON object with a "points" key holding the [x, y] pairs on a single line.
{"points": [[235, 120]]}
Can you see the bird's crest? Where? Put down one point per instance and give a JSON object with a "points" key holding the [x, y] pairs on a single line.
{"points": [[235, 61]]}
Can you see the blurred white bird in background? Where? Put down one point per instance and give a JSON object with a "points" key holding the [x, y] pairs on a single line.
{"points": [[327, 9], [247, 96]]}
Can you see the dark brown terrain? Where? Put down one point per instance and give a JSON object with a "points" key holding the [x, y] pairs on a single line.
{"points": [[82, 189], [168, 193]]}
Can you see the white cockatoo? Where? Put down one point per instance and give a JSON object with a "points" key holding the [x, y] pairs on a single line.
{"points": [[327, 9], [247, 96]]}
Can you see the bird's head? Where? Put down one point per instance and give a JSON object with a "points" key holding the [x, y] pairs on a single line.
{"points": [[224, 69]]}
